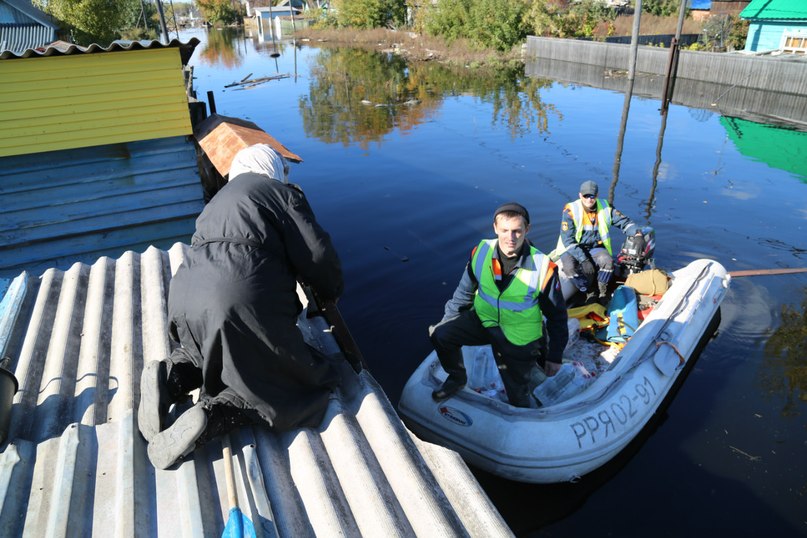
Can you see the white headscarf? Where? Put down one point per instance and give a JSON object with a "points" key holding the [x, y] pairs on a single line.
{"points": [[260, 159]]}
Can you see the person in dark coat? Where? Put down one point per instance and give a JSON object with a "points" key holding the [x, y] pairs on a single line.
{"points": [[233, 308]]}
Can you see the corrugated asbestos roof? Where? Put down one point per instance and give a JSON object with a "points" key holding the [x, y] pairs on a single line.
{"points": [[75, 464], [62, 48], [76, 205], [775, 10]]}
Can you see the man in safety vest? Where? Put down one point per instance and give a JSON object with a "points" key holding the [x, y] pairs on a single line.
{"points": [[507, 291], [584, 245]]}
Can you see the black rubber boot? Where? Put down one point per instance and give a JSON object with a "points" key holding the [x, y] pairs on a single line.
{"points": [[173, 444], [450, 387], [154, 399]]}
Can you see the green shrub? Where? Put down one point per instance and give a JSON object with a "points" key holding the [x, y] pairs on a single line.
{"points": [[662, 8], [497, 24], [449, 19], [554, 18], [370, 13]]}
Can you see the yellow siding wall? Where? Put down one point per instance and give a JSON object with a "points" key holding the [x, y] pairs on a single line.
{"points": [[60, 102]]}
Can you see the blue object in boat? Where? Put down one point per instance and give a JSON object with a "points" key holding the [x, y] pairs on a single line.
{"points": [[623, 312]]}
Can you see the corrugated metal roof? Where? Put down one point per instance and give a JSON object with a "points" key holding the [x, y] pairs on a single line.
{"points": [[23, 11], [19, 37], [775, 10], [76, 205], [62, 48], [76, 466]]}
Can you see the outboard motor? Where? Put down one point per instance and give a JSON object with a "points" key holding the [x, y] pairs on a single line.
{"points": [[637, 251]]}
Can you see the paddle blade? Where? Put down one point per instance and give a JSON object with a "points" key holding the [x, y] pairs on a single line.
{"points": [[238, 526]]}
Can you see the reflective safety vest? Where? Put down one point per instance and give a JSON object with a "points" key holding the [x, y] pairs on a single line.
{"points": [[603, 226], [515, 309]]}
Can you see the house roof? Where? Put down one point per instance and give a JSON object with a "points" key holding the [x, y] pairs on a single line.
{"points": [[63, 48], [775, 10], [74, 464], [25, 7]]}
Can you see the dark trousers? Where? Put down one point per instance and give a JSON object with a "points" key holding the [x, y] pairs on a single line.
{"points": [[225, 411], [515, 362], [596, 259]]}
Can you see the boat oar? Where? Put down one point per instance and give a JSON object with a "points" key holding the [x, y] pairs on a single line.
{"points": [[328, 310], [238, 525], [764, 272]]}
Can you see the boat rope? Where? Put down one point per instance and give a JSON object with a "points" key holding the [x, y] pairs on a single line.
{"points": [[681, 358]]}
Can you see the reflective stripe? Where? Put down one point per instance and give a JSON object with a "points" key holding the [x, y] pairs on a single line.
{"points": [[482, 250]]}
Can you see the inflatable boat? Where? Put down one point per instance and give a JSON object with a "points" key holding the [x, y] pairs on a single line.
{"points": [[564, 440]]}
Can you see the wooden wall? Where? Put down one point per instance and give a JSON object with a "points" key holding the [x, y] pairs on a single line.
{"points": [[60, 102]]}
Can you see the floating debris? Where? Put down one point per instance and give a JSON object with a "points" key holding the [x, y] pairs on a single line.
{"points": [[246, 81], [746, 454]]}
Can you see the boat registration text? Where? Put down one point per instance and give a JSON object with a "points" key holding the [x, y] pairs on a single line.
{"points": [[614, 416]]}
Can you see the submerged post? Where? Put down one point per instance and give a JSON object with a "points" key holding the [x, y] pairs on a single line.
{"points": [[672, 70]]}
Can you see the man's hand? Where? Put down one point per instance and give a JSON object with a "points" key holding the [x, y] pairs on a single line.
{"points": [[551, 368]]}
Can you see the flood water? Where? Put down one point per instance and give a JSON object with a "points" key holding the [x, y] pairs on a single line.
{"points": [[404, 164]]}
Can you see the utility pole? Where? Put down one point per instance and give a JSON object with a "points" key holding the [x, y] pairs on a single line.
{"points": [[163, 27], [634, 40]]}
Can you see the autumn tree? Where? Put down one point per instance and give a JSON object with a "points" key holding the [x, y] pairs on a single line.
{"points": [[220, 11]]}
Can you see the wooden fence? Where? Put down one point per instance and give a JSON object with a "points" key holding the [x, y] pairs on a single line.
{"points": [[765, 88]]}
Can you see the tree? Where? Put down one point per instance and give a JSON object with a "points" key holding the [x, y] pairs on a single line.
{"points": [[93, 21], [661, 8], [370, 13], [559, 18], [219, 11]]}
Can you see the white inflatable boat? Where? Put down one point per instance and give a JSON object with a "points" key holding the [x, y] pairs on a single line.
{"points": [[564, 441]]}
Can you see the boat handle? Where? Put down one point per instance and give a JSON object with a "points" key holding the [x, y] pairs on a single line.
{"points": [[681, 359]]}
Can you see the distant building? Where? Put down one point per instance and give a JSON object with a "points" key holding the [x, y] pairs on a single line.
{"points": [[776, 25], [23, 27]]}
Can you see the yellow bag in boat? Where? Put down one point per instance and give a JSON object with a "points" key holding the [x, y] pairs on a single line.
{"points": [[649, 282], [591, 316]]}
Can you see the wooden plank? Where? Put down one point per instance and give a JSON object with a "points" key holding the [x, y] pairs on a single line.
{"points": [[221, 137], [764, 272]]}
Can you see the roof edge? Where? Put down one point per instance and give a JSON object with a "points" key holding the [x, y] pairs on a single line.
{"points": [[63, 48]]}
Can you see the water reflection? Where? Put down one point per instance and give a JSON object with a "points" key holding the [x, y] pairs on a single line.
{"points": [[357, 96], [785, 369], [785, 149], [221, 48]]}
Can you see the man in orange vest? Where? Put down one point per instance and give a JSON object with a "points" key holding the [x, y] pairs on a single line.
{"points": [[584, 245]]}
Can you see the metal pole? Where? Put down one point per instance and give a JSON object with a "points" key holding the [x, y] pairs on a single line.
{"points": [[634, 40], [163, 27], [682, 11], [174, 15]]}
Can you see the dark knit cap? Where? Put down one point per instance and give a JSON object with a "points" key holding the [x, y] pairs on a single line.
{"points": [[515, 208]]}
